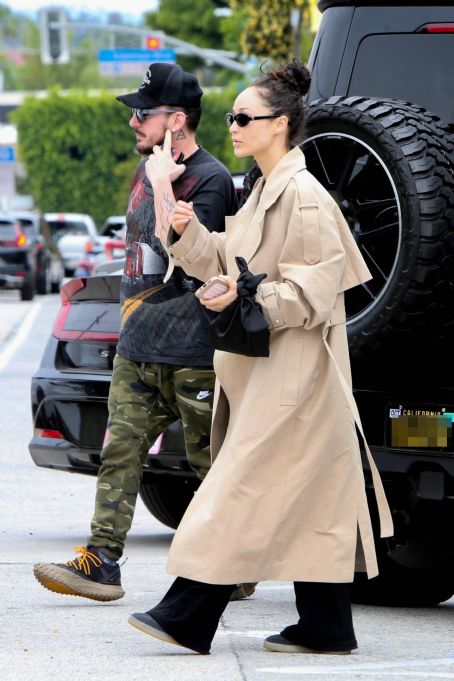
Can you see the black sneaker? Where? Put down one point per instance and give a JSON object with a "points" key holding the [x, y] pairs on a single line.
{"points": [[148, 625], [279, 644], [87, 575]]}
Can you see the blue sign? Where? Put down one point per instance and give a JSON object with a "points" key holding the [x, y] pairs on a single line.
{"points": [[137, 55], [6, 154], [127, 62]]}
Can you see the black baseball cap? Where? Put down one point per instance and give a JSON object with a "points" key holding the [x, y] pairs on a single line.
{"points": [[165, 84]]}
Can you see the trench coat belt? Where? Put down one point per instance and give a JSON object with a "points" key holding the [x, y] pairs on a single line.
{"points": [[386, 523]]}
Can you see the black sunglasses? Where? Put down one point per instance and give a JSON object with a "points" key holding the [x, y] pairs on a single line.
{"points": [[242, 119], [141, 114]]}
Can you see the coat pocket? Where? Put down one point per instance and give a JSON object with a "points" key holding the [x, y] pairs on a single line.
{"points": [[291, 378]]}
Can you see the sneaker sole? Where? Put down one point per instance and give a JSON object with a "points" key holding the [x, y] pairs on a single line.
{"points": [[294, 648], [155, 633], [62, 581]]}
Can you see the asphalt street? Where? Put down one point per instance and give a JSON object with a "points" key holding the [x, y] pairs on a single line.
{"points": [[44, 636]]}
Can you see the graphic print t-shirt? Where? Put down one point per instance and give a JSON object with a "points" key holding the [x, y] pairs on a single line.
{"points": [[163, 322]]}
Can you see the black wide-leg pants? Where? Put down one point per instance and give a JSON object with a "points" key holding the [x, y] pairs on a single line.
{"points": [[190, 612]]}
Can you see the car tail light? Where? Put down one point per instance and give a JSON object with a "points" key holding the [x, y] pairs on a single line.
{"points": [[436, 28], [45, 432], [64, 320], [114, 248], [21, 239]]}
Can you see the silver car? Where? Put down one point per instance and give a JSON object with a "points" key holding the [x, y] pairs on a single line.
{"points": [[71, 231]]}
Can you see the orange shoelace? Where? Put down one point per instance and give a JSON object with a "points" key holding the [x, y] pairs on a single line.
{"points": [[82, 562]]}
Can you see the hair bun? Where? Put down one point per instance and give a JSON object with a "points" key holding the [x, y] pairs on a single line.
{"points": [[294, 75]]}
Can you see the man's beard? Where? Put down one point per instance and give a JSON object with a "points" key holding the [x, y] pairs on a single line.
{"points": [[145, 149]]}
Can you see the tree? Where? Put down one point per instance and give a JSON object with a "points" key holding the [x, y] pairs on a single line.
{"points": [[194, 22], [77, 149], [274, 28]]}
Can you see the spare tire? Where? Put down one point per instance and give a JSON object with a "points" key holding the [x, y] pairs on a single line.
{"points": [[390, 167]]}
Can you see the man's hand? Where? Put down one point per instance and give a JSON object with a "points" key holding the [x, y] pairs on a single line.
{"points": [[181, 215], [160, 164], [221, 302]]}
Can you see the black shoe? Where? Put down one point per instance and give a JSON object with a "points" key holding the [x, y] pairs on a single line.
{"points": [[279, 644], [148, 625], [87, 575]]}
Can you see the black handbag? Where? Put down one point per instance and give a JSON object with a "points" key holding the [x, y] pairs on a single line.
{"points": [[241, 327]]}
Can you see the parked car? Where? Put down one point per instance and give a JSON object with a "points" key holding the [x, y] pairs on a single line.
{"points": [[380, 122], [380, 138], [69, 399], [108, 247], [105, 256], [114, 226], [71, 231], [49, 265], [18, 258]]}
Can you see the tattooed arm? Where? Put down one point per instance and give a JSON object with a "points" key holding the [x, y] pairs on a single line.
{"points": [[162, 170], [164, 204]]}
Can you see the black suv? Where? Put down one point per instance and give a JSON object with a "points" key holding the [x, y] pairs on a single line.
{"points": [[29, 258], [380, 138], [20, 256], [380, 120]]}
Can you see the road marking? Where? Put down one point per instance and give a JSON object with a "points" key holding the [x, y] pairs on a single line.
{"points": [[375, 668], [20, 336], [249, 634], [352, 673]]}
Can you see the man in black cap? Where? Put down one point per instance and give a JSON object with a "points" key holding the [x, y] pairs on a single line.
{"points": [[163, 368]]}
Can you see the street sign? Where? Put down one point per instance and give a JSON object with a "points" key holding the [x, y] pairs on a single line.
{"points": [[126, 62], [6, 154]]}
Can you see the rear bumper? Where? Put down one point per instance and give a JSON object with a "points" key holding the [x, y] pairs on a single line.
{"points": [[11, 281], [402, 461], [61, 455]]}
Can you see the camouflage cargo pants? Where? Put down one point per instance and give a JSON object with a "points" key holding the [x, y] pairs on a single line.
{"points": [[143, 400]]}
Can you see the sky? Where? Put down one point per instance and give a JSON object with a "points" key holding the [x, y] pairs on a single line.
{"points": [[134, 9]]}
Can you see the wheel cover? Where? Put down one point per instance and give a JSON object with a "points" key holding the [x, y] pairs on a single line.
{"points": [[362, 186]]}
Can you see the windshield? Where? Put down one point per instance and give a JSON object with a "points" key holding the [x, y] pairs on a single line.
{"points": [[61, 228]]}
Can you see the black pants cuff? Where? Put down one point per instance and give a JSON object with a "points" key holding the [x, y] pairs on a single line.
{"points": [[296, 635]]}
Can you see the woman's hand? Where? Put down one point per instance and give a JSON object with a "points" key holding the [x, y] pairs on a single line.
{"points": [[160, 164], [181, 215], [221, 302]]}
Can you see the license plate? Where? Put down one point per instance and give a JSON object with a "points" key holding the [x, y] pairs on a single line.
{"points": [[417, 427]]}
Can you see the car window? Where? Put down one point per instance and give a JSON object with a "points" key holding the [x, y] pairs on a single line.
{"points": [[59, 228], [417, 68], [111, 230], [27, 227]]}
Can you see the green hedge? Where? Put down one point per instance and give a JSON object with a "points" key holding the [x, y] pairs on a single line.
{"points": [[78, 150]]}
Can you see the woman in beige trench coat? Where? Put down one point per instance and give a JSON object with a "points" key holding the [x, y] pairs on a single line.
{"points": [[285, 497]]}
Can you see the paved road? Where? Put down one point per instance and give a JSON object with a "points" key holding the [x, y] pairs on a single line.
{"points": [[48, 637]]}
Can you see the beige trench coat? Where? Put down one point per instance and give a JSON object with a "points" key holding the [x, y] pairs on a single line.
{"points": [[285, 497]]}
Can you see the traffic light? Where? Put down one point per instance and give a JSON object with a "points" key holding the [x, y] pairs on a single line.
{"points": [[54, 39], [153, 43]]}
